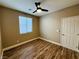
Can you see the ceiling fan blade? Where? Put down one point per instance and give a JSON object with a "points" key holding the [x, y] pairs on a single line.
{"points": [[44, 10], [35, 11], [37, 3]]}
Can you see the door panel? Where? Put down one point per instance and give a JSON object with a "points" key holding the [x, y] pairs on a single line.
{"points": [[77, 31]]}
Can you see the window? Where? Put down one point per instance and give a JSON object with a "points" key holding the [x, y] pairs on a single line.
{"points": [[25, 24]]}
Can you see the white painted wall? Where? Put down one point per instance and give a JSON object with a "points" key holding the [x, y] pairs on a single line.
{"points": [[48, 27]]}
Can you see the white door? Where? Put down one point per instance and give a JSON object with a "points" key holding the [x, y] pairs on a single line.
{"points": [[70, 32]]}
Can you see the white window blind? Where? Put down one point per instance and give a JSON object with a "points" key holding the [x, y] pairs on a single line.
{"points": [[25, 24]]}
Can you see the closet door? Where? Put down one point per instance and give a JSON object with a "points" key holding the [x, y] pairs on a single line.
{"points": [[69, 32]]}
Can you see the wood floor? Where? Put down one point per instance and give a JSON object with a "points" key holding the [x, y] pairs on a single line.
{"points": [[39, 49]]}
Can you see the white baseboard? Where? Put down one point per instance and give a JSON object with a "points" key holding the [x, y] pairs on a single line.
{"points": [[50, 41], [16, 45], [58, 44]]}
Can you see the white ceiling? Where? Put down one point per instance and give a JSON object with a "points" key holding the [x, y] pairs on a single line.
{"points": [[51, 5]]}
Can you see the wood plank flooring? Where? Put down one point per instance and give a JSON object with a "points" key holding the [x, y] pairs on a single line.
{"points": [[39, 49]]}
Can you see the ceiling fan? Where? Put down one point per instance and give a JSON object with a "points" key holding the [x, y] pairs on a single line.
{"points": [[39, 9]]}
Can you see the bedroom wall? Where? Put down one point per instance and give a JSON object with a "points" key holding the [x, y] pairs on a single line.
{"points": [[50, 23], [10, 27], [0, 42], [0, 36]]}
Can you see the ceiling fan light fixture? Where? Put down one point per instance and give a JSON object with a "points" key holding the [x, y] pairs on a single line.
{"points": [[39, 10], [38, 6]]}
